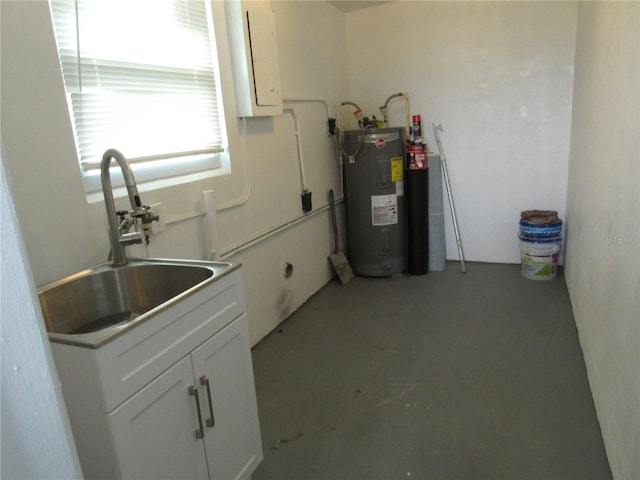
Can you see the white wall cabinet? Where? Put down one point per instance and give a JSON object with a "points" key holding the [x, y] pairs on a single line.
{"points": [[196, 417], [254, 51]]}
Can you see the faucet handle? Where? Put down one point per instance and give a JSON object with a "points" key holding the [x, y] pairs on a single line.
{"points": [[148, 217]]}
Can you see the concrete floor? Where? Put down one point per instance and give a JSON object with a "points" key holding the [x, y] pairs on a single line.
{"points": [[442, 376]]}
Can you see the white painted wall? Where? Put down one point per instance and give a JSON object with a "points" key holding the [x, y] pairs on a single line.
{"points": [[498, 75], [36, 436], [603, 220], [64, 233]]}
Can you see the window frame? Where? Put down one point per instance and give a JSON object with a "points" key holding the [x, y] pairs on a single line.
{"points": [[158, 171]]}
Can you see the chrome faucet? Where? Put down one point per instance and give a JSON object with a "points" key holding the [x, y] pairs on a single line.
{"points": [[119, 235]]}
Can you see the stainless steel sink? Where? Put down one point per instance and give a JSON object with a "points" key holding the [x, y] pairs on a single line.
{"points": [[106, 301]]}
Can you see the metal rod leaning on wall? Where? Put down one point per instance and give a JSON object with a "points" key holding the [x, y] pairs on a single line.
{"points": [[445, 173]]}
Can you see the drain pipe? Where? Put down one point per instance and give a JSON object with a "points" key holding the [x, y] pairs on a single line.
{"points": [[212, 225]]}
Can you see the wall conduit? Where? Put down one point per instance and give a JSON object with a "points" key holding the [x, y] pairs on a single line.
{"points": [[240, 247], [303, 178], [329, 118], [211, 209]]}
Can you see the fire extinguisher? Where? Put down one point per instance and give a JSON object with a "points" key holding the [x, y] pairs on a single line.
{"points": [[417, 184], [417, 149]]}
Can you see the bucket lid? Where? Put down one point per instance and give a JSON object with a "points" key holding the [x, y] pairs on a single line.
{"points": [[539, 216]]}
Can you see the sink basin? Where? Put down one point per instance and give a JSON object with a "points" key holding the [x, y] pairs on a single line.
{"points": [[105, 300]]}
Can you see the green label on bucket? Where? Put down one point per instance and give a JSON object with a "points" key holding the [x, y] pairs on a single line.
{"points": [[539, 266]]}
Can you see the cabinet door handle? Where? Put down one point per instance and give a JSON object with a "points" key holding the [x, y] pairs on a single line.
{"points": [[204, 380], [193, 391]]}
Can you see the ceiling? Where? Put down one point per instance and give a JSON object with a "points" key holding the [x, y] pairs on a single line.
{"points": [[351, 5]]}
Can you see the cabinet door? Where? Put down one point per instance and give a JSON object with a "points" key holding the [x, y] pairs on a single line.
{"points": [[154, 431], [233, 444]]}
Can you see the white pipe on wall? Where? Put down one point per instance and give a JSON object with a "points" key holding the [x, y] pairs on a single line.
{"points": [[310, 100], [273, 231], [212, 225], [329, 117], [212, 229], [247, 184], [303, 178], [211, 208]]}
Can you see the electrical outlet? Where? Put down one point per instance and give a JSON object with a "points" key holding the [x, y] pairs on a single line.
{"points": [[157, 226]]}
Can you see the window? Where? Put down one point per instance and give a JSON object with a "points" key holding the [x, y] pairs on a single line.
{"points": [[141, 77]]}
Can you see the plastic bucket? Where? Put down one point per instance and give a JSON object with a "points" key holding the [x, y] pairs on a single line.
{"points": [[539, 261]]}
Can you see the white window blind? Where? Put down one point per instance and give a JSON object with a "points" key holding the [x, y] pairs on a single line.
{"points": [[140, 76]]}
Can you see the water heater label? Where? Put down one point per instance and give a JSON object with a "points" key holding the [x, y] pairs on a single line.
{"points": [[397, 166], [384, 210]]}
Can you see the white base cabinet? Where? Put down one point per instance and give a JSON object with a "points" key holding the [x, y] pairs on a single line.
{"points": [[153, 431], [197, 419], [177, 428]]}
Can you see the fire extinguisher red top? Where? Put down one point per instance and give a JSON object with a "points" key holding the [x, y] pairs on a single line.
{"points": [[416, 118]]}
